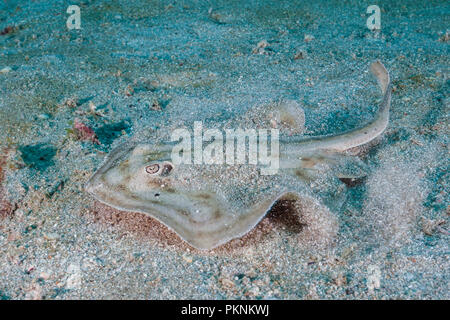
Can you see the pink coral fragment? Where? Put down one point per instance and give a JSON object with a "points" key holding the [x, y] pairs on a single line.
{"points": [[83, 132]]}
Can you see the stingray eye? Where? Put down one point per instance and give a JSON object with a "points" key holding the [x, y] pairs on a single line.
{"points": [[152, 169], [167, 168]]}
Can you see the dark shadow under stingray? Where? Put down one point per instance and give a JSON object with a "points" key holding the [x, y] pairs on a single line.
{"points": [[282, 217]]}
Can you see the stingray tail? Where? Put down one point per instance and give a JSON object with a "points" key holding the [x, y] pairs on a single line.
{"points": [[357, 137]]}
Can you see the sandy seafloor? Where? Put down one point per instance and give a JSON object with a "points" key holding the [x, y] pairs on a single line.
{"points": [[149, 66]]}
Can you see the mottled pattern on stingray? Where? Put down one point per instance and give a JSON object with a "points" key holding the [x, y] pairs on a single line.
{"points": [[205, 205], [208, 205]]}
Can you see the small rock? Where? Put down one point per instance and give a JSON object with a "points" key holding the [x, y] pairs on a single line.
{"points": [[93, 110], [308, 38], [187, 258], [5, 70], [301, 54], [445, 37], [156, 105], [261, 47], [429, 226], [51, 236], [71, 102], [44, 275], [30, 269], [43, 116], [227, 283], [129, 91], [340, 280]]}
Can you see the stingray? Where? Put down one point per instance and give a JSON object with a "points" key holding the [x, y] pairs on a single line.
{"points": [[208, 205]]}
